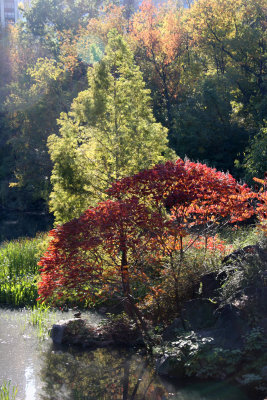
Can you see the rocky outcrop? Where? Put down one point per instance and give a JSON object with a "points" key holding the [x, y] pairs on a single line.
{"points": [[219, 337], [79, 332], [198, 314], [174, 330], [214, 337]]}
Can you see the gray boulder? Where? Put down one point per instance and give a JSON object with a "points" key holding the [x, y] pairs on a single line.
{"points": [[77, 332], [171, 366], [230, 327], [210, 284], [67, 331], [264, 373], [198, 314], [173, 330]]}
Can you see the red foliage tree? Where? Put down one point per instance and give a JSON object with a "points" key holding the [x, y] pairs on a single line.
{"points": [[117, 245], [195, 195]]}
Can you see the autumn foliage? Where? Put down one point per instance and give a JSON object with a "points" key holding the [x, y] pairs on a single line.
{"points": [[121, 244]]}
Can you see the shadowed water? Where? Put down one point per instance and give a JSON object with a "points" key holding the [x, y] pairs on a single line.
{"points": [[14, 224], [44, 372]]}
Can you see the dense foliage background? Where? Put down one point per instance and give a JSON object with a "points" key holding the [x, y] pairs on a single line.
{"points": [[204, 64]]}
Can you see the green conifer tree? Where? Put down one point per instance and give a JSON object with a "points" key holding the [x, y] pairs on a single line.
{"points": [[109, 133]]}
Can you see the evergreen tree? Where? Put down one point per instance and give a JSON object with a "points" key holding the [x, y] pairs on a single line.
{"points": [[109, 133]]}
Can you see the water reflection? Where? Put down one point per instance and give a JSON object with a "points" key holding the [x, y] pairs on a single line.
{"points": [[44, 372], [30, 389], [101, 374], [109, 374]]}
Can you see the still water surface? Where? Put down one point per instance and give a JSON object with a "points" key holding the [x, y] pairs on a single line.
{"points": [[44, 372], [18, 224]]}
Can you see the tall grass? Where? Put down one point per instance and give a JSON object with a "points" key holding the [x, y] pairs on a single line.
{"points": [[6, 392], [19, 257], [19, 271]]}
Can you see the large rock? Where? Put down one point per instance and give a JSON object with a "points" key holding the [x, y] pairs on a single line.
{"points": [[262, 323], [171, 366], [210, 284], [251, 252], [65, 330], [264, 373], [226, 326], [256, 301], [198, 314], [230, 327], [173, 330], [77, 332]]}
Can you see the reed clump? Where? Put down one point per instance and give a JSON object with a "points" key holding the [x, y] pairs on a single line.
{"points": [[8, 392], [19, 271]]}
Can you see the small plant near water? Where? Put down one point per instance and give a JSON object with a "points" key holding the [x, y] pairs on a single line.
{"points": [[41, 317], [7, 392]]}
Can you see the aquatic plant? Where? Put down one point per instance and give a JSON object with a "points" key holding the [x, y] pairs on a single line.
{"points": [[41, 317], [7, 392]]}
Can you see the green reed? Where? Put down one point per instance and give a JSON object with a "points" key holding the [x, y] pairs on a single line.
{"points": [[19, 257], [41, 317], [6, 392], [18, 292], [19, 271]]}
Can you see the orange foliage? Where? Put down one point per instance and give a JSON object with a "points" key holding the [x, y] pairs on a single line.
{"points": [[159, 31], [111, 18]]}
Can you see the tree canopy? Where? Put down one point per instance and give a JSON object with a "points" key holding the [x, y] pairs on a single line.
{"points": [[109, 133], [204, 64]]}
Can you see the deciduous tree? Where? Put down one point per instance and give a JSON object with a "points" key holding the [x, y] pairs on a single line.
{"points": [[160, 43], [123, 243]]}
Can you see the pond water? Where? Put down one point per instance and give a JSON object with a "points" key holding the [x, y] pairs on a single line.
{"points": [[44, 372], [15, 224]]}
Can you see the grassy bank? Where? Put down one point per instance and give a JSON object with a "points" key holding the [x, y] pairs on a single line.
{"points": [[19, 271]]}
